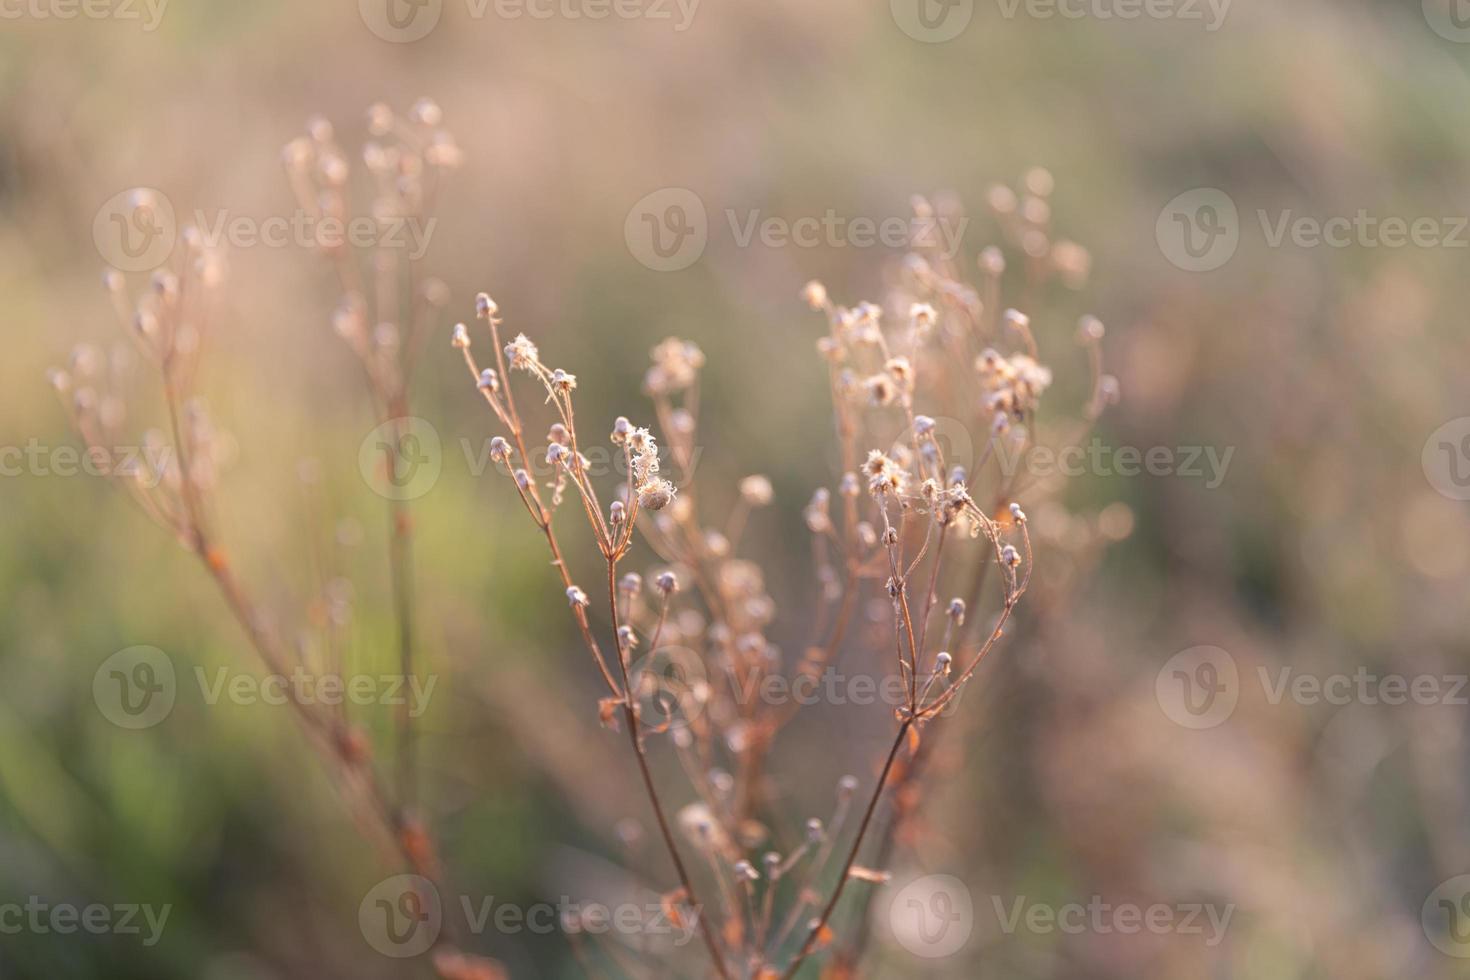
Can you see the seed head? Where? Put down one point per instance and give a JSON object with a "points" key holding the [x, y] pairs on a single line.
{"points": [[884, 475], [815, 832], [617, 513], [923, 425], [818, 518], [745, 871], [1017, 513], [846, 786], [562, 381], [489, 381], [655, 494], [815, 294], [522, 353], [427, 112], [1010, 556], [380, 119], [942, 661], [900, 370], [461, 336], [485, 307], [500, 450], [957, 610], [576, 597], [666, 582], [756, 490], [632, 583]]}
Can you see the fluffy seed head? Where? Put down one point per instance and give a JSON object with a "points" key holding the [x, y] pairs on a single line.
{"points": [[655, 494]]}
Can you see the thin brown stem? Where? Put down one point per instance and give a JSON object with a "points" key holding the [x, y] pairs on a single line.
{"points": [[857, 842]]}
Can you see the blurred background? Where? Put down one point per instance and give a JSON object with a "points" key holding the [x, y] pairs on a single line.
{"points": [[1194, 148]]}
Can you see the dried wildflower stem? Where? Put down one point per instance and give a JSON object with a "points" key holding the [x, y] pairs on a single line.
{"points": [[820, 924], [531, 497], [613, 547], [325, 731], [635, 738]]}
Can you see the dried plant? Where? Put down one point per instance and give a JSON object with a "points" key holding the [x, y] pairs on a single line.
{"points": [[907, 524], [176, 481], [913, 526]]}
